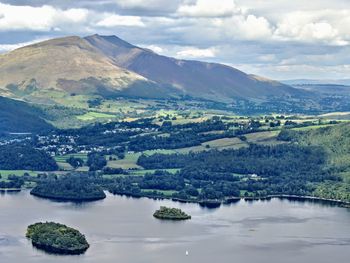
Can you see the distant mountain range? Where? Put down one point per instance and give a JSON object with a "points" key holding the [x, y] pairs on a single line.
{"points": [[109, 67], [345, 82]]}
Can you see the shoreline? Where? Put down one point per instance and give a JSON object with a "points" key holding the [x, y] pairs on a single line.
{"points": [[58, 251], [233, 199], [205, 203], [10, 190]]}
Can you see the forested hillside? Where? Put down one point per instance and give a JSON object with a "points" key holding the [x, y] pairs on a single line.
{"points": [[18, 117], [24, 157], [335, 141]]}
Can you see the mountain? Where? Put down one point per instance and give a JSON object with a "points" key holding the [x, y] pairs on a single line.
{"points": [[198, 79], [108, 66], [21, 117], [69, 65]]}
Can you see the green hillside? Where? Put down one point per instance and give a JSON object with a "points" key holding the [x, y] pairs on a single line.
{"points": [[335, 140], [20, 117]]}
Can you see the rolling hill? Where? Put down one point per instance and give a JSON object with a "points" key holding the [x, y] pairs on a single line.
{"points": [[108, 66]]}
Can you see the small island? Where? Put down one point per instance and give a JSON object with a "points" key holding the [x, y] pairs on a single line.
{"points": [[171, 214], [57, 238]]}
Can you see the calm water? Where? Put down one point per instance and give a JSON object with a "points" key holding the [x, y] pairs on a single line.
{"points": [[121, 229]]}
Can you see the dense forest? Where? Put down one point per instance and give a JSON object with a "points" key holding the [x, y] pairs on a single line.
{"points": [[335, 141], [17, 116], [73, 187], [25, 157], [173, 141], [216, 175], [263, 160], [13, 182]]}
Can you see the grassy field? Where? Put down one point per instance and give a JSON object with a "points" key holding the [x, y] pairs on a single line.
{"points": [[90, 116], [62, 164], [168, 193], [63, 158], [6, 173], [137, 173], [225, 143], [129, 162], [313, 127], [143, 172], [265, 137]]}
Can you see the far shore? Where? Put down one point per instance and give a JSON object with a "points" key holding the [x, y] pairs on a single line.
{"points": [[212, 203]]}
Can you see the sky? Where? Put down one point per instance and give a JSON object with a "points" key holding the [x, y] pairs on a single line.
{"points": [[279, 39]]}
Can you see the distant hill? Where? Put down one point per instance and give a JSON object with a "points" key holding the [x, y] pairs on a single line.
{"points": [[108, 66], [325, 89], [20, 117], [292, 82]]}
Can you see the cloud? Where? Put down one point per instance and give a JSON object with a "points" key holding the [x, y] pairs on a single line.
{"points": [[267, 58], [196, 53], [142, 4], [154, 48], [9, 47], [208, 8], [329, 26], [38, 18], [250, 27], [260, 36], [117, 20]]}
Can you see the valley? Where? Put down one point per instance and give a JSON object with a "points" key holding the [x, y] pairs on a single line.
{"points": [[162, 157], [174, 131], [155, 140]]}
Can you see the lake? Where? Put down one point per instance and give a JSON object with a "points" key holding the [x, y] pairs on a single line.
{"points": [[121, 229]]}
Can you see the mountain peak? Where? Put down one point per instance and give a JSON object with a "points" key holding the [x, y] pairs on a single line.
{"points": [[97, 39], [68, 40]]}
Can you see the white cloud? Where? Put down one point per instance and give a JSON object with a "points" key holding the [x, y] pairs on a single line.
{"points": [[251, 27], [267, 58], [117, 20], [75, 15], [208, 8], [328, 26], [38, 18], [196, 53], [9, 47], [154, 48], [262, 34], [138, 3]]}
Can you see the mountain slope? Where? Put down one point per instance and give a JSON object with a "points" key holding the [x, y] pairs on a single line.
{"points": [[107, 66], [206, 80], [68, 65], [20, 117]]}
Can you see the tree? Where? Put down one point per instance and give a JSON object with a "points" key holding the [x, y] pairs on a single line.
{"points": [[75, 162]]}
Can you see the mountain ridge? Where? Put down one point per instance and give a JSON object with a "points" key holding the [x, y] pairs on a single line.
{"points": [[108, 66], [179, 73]]}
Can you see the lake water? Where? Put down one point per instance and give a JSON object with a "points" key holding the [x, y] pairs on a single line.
{"points": [[121, 229]]}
